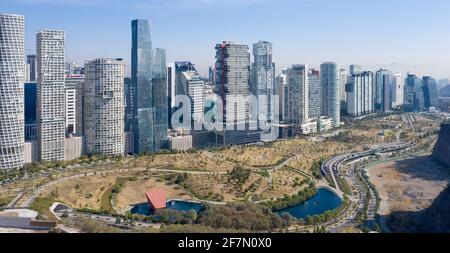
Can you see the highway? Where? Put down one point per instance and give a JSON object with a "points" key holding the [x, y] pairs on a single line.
{"points": [[363, 199]]}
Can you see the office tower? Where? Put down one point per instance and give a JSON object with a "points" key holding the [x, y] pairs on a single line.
{"points": [[211, 75], [104, 107], [429, 87], [74, 104], [263, 78], [329, 78], [191, 84], [384, 84], [51, 94], [232, 80], [141, 79], [360, 94], [343, 81], [281, 82], [399, 86], [315, 94], [296, 95], [160, 105], [31, 61], [30, 111], [129, 103], [412, 94], [171, 85], [12, 53], [355, 69]]}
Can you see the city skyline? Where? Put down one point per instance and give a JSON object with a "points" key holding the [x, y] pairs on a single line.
{"points": [[330, 32]]}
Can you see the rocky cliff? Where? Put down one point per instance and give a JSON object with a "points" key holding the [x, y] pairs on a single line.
{"points": [[442, 149]]}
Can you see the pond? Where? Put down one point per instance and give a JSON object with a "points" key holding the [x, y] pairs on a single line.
{"points": [[323, 201], [178, 205]]}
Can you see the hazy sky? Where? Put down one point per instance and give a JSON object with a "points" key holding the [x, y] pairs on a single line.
{"points": [[404, 35]]}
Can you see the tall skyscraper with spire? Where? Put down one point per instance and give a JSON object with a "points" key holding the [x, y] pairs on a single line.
{"points": [[12, 54]]}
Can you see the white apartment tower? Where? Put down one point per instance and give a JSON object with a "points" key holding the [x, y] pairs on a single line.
{"points": [[398, 94], [12, 54], [51, 94], [104, 106]]}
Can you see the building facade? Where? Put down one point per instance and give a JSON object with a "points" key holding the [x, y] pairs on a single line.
{"points": [[141, 79], [190, 83], [398, 93], [384, 86], [263, 78], [232, 80], [296, 110], [160, 103], [12, 76], [360, 99], [329, 78], [51, 94], [104, 107], [314, 94]]}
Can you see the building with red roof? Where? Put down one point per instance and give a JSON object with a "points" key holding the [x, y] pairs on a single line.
{"points": [[156, 199]]}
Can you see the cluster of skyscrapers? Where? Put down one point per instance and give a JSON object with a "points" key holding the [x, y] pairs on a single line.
{"points": [[51, 110]]}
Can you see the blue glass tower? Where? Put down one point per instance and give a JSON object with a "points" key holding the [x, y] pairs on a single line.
{"points": [[160, 104], [141, 80]]}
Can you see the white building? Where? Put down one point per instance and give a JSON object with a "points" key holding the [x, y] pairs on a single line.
{"points": [[180, 142], [12, 54], [399, 88], [190, 83], [360, 97], [73, 148], [104, 106], [51, 94]]}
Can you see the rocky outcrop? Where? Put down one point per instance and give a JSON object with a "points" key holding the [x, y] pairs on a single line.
{"points": [[441, 151]]}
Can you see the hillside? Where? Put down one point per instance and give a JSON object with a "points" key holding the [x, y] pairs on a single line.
{"points": [[442, 149]]}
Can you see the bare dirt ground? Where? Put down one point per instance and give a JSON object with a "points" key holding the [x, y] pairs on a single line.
{"points": [[408, 185], [133, 192]]}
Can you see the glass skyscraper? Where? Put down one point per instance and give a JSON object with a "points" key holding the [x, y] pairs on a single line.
{"points": [[160, 104], [141, 79], [329, 78]]}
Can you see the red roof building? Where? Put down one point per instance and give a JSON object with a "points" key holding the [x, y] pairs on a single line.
{"points": [[156, 199]]}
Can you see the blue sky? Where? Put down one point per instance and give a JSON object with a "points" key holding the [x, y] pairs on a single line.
{"points": [[404, 35]]}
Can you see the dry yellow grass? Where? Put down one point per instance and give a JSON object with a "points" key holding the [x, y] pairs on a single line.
{"points": [[83, 192], [253, 156]]}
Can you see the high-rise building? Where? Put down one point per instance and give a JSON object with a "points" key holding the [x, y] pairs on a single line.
{"points": [[31, 61], [160, 104], [232, 80], [104, 107], [51, 94], [360, 99], [412, 93], [329, 78], [355, 69], [296, 110], [129, 103], [141, 79], [315, 94], [263, 78], [281, 82], [342, 82], [30, 111], [191, 84], [399, 86], [74, 104], [429, 87], [12, 53], [384, 86]]}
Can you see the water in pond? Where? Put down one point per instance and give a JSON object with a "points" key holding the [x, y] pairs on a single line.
{"points": [[323, 201], [171, 204]]}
